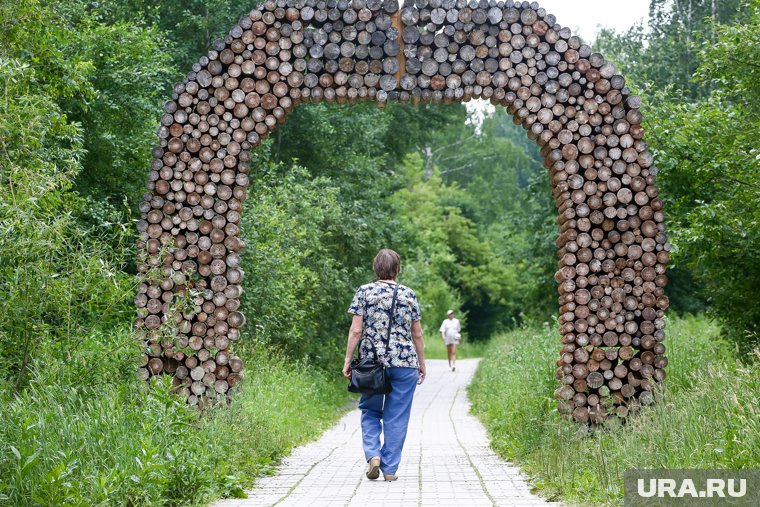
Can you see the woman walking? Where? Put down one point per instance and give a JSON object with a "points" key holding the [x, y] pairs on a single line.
{"points": [[451, 334], [403, 358]]}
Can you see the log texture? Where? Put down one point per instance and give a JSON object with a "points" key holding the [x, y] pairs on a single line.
{"points": [[612, 246]]}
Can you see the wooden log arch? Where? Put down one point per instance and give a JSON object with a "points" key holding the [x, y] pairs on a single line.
{"points": [[612, 246]]}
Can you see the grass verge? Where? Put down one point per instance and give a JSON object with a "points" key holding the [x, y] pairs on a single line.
{"points": [[708, 417], [105, 439], [436, 349]]}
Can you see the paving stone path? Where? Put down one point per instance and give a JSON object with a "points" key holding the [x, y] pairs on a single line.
{"points": [[446, 460]]}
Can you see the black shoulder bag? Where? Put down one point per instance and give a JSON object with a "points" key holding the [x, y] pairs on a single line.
{"points": [[368, 375]]}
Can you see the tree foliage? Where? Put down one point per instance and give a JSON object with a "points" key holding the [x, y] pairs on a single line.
{"points": [[710, 161], [190, 26], [467, 205], [60, 281], [666, 54], [697, 65]]}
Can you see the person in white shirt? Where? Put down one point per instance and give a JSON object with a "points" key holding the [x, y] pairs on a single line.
{"points": [[451, 334]]}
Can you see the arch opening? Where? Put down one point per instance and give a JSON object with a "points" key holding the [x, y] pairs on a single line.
{"points": [[612, 247]]}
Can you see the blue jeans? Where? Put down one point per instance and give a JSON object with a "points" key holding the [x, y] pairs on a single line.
{"points": [[393, 410]]}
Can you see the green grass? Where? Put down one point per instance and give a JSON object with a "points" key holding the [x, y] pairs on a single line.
{"points": [[708, 416], [436, 349], [107, 439]]}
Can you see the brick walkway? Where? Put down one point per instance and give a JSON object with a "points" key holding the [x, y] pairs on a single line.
{"points": [[446, 460]]}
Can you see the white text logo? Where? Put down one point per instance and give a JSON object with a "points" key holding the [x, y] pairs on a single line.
{"points": [[714, 488]]}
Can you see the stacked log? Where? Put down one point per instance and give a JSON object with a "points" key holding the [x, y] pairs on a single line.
{"points": [[612, 245]]}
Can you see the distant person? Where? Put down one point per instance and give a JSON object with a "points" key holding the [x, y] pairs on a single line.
{"points": [[403, 359], [451, 334]]}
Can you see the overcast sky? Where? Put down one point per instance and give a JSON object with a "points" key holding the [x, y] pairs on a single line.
{"points": [[585, 16]]}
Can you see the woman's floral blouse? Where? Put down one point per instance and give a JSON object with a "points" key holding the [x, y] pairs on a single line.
{"points": [[373, 302]]}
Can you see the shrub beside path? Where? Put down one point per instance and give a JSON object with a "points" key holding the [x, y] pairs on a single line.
{"points": [[446, 462]]}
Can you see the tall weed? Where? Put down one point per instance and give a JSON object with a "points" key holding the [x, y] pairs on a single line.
{"points": [[707, 417], [107, 439]]}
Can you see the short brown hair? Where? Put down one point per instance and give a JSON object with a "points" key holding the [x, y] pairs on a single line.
{"points": [[387, 264]]}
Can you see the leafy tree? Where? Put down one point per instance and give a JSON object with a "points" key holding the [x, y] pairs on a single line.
{"points": [[666, 54], [446, 256], [709, 157], [417, 128], [524, 238], [128, 79], [506, 193], [660, 62], [60, 282], [191, 26], [293, 275], [107, 77]]}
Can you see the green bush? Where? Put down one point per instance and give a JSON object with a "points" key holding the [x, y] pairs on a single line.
{"points": [[89, 433], [707, 417], [702, 106], [60, 281], [710, 177]]}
